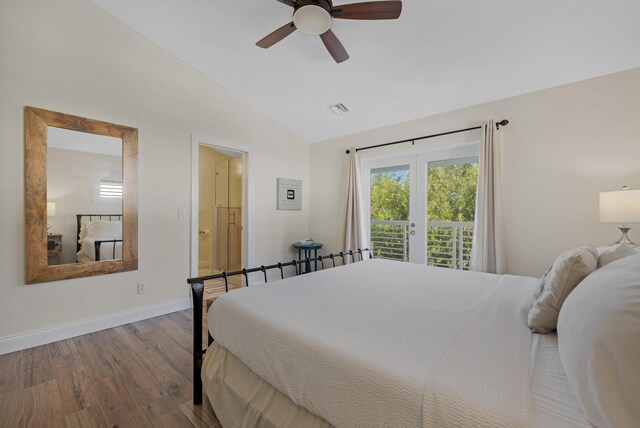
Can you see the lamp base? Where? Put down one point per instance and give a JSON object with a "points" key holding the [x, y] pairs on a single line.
{"points": [[624, 239]]}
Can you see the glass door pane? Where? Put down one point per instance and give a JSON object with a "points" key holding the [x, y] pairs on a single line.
{"points": [[451, 199], [390, 211], [229, 214]]}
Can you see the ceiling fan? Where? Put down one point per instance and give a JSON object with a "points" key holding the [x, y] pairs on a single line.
{"points": [[314, 17]]}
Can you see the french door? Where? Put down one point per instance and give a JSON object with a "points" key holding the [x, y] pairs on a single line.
{"points": [[420, 208]]}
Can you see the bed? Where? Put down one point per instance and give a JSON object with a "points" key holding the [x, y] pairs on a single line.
{"points": [[381, 343], [99, 237]]}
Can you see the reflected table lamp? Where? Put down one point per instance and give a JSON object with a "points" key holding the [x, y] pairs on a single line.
{"points": [[621, 207]]}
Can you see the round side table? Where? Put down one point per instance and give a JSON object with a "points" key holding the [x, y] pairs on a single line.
{"points": [[308, 248]]}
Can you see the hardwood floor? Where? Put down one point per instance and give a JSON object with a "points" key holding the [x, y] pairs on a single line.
{"points": [[135, 375]]}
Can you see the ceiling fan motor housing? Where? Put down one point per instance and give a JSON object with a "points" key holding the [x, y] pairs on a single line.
{"points": [[313, 17], [325, 4]]}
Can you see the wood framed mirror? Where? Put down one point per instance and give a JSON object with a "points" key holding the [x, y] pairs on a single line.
{"points": [[81, 196]]}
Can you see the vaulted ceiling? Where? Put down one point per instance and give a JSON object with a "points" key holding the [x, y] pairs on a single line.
{"points": [[440, 55]]}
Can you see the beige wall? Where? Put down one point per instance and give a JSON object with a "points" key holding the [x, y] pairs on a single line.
{"points": [[72, 57], [235, 182], [564, 145]]}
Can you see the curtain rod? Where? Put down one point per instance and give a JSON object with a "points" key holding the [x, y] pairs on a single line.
{"points": [[503, 122]]}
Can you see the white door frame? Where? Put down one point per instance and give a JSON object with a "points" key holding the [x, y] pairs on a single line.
{"points": [[247, 198], [418, 163]]}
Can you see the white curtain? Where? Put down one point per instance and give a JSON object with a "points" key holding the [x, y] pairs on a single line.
{"points": [[355, 235], [488, 250]]}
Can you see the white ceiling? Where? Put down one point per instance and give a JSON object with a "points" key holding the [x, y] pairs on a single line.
{"points": [[440, 55]]}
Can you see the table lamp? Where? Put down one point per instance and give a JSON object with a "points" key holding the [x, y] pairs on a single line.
{"points": [[622, 207]]}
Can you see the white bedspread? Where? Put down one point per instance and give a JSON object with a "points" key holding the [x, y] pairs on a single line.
{"points": [[388, 344], [554, 403]]}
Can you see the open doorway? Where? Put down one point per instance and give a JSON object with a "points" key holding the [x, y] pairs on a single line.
{"points": [[221, 221], [220, 210]]}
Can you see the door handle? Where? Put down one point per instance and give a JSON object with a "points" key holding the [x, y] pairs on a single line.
{"points": [[413, 232]]}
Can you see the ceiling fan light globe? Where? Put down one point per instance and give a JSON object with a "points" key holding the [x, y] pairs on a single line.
{"points": [[312, 20]]}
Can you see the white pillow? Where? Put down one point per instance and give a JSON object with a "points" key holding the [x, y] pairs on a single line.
{"points": [[83, 233], [566, 273], [599, 344], [104, 230], [631, 263], [612, 253]]}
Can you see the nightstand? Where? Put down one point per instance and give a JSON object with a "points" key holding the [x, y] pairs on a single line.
{"points": [[54, 249]]}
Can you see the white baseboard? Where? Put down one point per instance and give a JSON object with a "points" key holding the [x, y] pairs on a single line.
{"points": [[44, 336]]}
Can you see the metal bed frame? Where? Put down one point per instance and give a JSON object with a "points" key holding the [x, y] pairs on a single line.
{"points": [[97, 244], [197, 292]]}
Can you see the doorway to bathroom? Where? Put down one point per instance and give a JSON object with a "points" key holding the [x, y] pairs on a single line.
{"points": [[220, 206]]}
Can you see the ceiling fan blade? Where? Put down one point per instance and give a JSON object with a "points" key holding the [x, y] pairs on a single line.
{"points": [[368, 10], [288, 2], [276, 36], [334, 46]]}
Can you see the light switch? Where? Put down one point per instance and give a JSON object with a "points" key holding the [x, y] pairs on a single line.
{"points": [[181, 214]]}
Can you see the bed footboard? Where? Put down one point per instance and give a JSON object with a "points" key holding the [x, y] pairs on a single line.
{"points": [[197, 293]]}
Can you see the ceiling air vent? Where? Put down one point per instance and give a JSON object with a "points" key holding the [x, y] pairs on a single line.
{"points": [[338, 109]]}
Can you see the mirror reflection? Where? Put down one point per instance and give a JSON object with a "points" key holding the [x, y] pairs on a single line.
{"points": [[84, 197]]}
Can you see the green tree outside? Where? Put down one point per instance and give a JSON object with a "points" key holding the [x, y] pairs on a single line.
{"points": [[390, 196], [451, 191]]}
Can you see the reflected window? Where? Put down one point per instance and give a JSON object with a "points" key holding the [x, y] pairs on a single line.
{"points": [[110, 189]]}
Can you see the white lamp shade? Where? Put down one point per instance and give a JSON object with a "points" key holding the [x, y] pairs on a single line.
{"points": [[620, 206], [51, 209]]}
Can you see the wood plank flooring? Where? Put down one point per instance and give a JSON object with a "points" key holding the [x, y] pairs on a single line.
{"points": [[136, 375]]}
